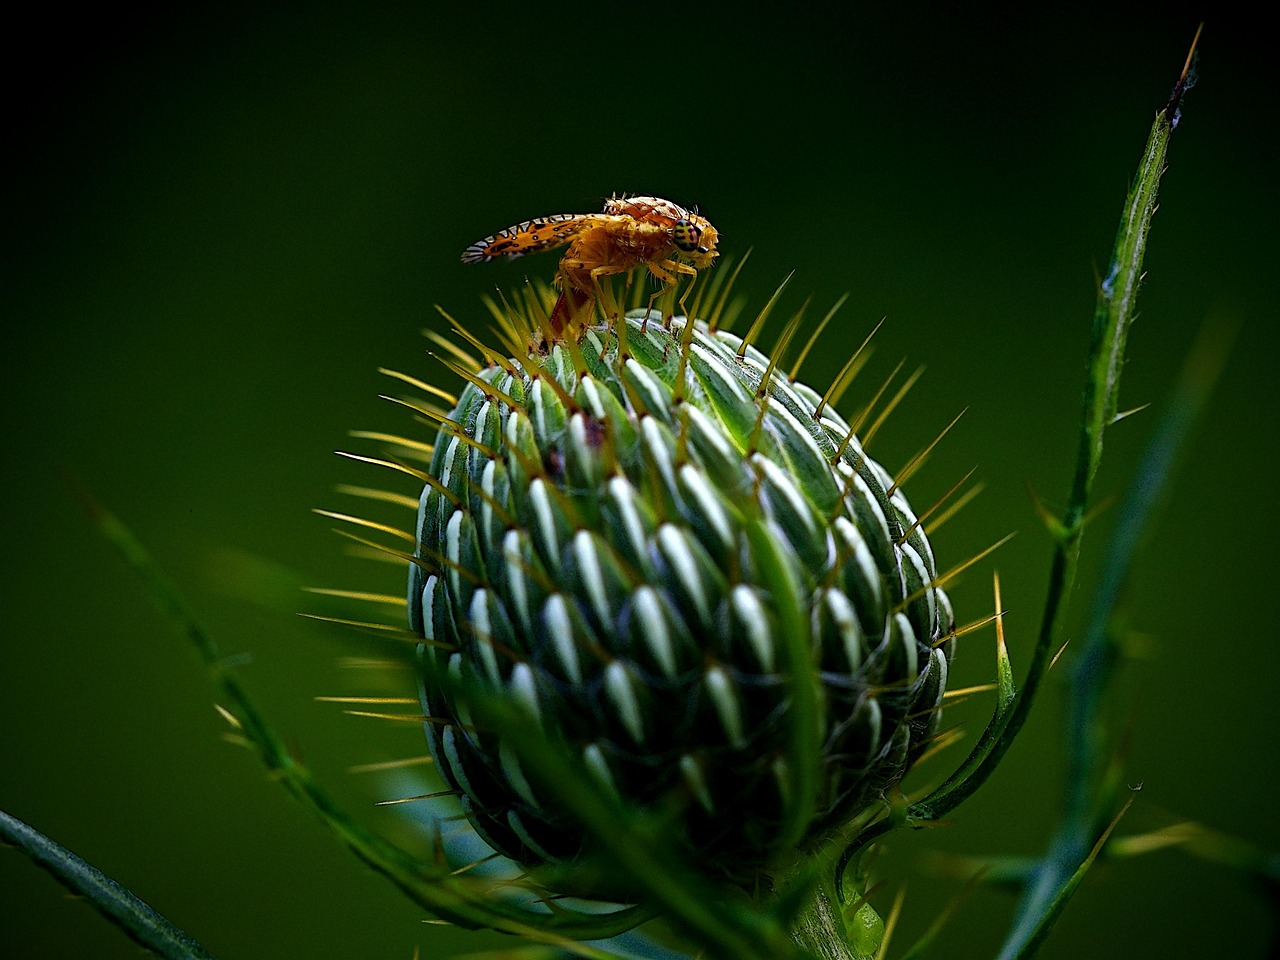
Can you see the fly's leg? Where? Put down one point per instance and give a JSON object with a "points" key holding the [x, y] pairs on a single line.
{"points": [[693, 274], [604, 295], [665, 271], [582, 290], [578, 295]]}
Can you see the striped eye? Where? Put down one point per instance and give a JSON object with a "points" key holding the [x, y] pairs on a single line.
{"points": [[686, 236]]}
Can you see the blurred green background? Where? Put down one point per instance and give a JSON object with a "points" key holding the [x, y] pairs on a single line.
{"points": [[224, 222]]}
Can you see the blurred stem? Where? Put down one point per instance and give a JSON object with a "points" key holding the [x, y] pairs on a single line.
{"points": [[433, 885], [1096, 660], [1088, 743], [138, 920]]}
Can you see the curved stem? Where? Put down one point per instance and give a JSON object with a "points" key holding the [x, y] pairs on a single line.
{"points": [[137, 919]]}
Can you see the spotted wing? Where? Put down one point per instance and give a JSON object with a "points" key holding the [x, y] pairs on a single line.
{"points": [[532, 236]]}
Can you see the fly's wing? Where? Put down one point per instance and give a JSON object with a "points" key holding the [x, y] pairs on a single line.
{"points": [[532, 236]]}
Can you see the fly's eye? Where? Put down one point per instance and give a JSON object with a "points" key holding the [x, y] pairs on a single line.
{"points": [[686, 236]]}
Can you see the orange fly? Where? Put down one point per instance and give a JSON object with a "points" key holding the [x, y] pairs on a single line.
{"points": [[631, 232]]}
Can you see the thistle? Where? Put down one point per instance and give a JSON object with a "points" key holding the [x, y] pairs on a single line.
{"points": [[676, 634], [679, 565]]}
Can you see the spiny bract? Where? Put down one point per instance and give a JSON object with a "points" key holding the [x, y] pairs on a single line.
{"points": [[592, 548]]}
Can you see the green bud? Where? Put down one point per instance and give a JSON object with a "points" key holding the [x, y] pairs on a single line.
{"points": [[601, 545]]}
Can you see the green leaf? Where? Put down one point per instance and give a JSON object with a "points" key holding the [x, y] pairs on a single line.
{"points": [[804, 749]]}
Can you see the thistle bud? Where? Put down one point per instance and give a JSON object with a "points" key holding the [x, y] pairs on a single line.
{"points": [[652, 541]]}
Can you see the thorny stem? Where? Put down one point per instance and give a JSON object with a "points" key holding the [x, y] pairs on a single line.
{"points": [[1113, 315]]}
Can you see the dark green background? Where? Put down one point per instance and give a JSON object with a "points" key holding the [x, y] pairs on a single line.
{"points": [[222, 224]]}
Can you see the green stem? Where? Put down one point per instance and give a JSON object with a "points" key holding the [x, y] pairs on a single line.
{"points": [[142, 924], [1113, 315], [819, 925], [820, 929]]}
